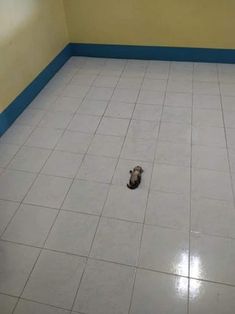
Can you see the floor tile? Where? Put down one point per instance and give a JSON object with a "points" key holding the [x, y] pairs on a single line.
{"points": [[231, 154], [211, 184], [228, 103], [7, 210], [164, 249], [117, 241], [122, 172], [168, 178], [57, 285], [128, 95], [7, 303], [16, 263], [178, 99], [29, 159], [176, 115], [100, 93], [7, 152], [111, 71], [179, 85], [207, 157], [84, 79], [105, 288], [119, 110], [16, 134], [93, 107], [178, 154], [171, 296], [143, 129], [64, 164], [226, 77], [48, 191], [229, 119], [181, 70], [73, 90], [105, 81], [126, 204], [44, 138], [86, 197], [210, 298], [138, 149], [230, 134], [84, 123], [105, 145], [206, 101], [207, 118], [149, 97], [133, 73], [30, 225], [207, 88], [15, 184], [212, 258], [129, 82], [213, 217], [210, 136], [30, 117], [168, 210], [57, 120], [157, 73], [66, 104], [29, 307], [205, 75], [227, 89], [43, 100], [72, 233], [175, 132], [112, 126], [154, 85], [97, 168], [147, 112], [74, 142]]}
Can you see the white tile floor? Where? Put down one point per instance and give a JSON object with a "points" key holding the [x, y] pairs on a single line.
{"points": [[74, 239]]}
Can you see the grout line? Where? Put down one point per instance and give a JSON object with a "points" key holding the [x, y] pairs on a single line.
{"points": [[37, 176], [100, 216], [226, 140], [190, 202], [153, 164]]}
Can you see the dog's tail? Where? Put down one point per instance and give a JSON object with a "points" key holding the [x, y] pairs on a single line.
{"points": [[132, 187]]}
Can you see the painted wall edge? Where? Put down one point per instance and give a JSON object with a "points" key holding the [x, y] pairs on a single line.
{"points": [[154, 53], [17, 106]]}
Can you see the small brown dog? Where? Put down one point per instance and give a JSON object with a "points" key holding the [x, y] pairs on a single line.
{"points": [[135, 177]]}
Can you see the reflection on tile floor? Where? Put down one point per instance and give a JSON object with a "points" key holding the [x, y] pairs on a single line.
{"points": [[74, 239]]}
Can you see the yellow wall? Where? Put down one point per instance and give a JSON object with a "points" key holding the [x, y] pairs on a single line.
{"points": [[182, 23], [32, 33]]}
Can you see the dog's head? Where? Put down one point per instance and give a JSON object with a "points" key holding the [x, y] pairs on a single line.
{"points": [[139, 169]]}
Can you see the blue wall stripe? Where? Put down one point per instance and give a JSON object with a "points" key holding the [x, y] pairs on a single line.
{"points": [[154, 53], [8, 116]]}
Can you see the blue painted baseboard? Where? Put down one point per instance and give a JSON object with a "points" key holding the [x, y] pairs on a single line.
{"points": [[154, 53], [8, 116]]}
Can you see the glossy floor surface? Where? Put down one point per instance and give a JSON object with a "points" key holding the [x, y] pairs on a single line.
{"points": [[75, 239]]}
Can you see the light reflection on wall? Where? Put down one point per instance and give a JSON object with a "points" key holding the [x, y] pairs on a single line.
{"points": [[195, 271]]}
